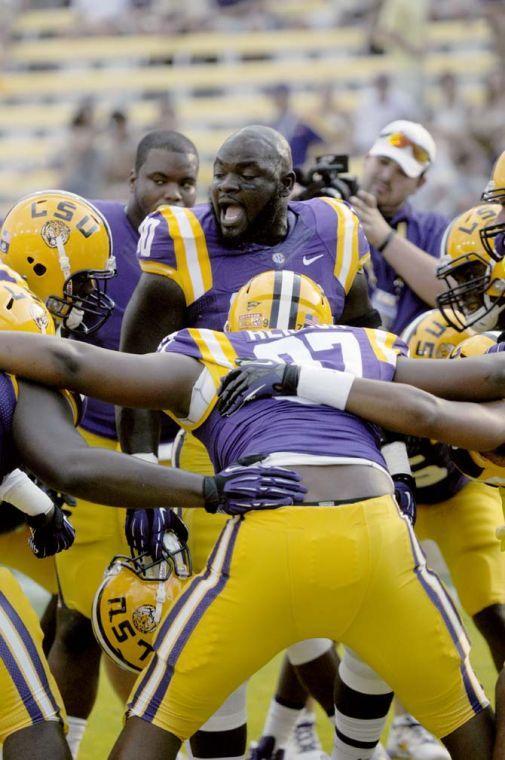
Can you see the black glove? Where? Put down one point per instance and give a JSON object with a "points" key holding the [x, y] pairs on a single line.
{"points": [[237, 489], [405, 495], [146, 528], [50, 533], [253, 380]]}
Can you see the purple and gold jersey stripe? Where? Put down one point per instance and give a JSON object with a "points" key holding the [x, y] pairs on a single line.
{"points": [[24, 665], [192, 270], [347, 257], [180, 623], [442, 601]]}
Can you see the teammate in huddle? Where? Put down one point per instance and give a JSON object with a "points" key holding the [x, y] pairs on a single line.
{"points": [[165, 172], [280, 566], [193, 261], [37, 432]]}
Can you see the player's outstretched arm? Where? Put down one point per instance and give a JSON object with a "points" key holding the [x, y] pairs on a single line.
{"points": [[154, 381], [397, 407], [476, 378], [50, 447]]}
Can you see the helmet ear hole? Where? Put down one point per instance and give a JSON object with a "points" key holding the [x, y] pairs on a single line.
{"points": [[39, 269]]}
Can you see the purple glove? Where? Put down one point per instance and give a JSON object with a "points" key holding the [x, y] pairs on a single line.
{"points": [[405, 490], [50, 533], [237, 489], [253, 380], [145, 529]]}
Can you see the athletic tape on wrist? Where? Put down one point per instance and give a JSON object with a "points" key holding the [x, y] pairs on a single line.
{"points": [[19, 490], [396, 458], [324, 386]]}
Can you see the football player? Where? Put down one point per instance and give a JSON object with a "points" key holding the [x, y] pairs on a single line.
{"points": [[193, 261], [53, 239], [475, 280], [273, 579], [165, 172], [37, 432]]}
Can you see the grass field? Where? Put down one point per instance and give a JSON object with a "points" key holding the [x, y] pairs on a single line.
{"points": [[105, 721]]}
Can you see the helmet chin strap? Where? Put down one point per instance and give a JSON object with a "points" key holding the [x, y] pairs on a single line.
{"points": [[63, 259], [489, 319]]}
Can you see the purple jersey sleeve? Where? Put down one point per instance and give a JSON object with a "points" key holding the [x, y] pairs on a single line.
{"points": [[341, 234], [173, 244]]}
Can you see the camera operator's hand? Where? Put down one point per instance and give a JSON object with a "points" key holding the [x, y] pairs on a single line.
{"points": [[374, 225]]}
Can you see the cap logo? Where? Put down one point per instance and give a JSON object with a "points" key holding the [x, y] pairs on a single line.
{"points": [[53, 230]]}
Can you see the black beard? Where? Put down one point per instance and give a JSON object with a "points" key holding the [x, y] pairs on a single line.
{"points": [[268, 228]]}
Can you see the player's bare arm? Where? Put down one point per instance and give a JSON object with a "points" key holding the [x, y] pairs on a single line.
{"points": [[156, 309], [358, 310], [395, 406], [153, 381], [54, 451], [478, 378], [405, 409]]}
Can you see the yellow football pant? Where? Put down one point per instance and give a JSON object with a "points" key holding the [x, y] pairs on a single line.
{"points": [[204, 529], [15, 553], [464, 528], [28, 692], [99, 535], [351, 573]]}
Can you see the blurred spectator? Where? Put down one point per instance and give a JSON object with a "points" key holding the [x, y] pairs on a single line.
{"points": [[333, 122], [494, 13], [377, 106], [404, 243], [166, 118], [487, 122], [301, 136], [100, 17], [450, 116], [118, 147], [80, 161], [402, 32]]}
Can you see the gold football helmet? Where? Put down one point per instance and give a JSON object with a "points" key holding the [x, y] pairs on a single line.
{"points": [[279, 300], [431, 336], [475, 281], [61, 245], [493, 236], [21, 310], [489, 467], [134, 597]]}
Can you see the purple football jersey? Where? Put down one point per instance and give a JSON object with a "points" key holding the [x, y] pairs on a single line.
{"points": [[325, 242], [100, 417], [8, 455], [397, 304], [287, 424]]}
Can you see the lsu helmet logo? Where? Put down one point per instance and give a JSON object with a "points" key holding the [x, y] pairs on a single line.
{"points": [[144, 618], [52, 231]]}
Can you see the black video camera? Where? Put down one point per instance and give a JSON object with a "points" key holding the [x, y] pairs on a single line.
{"points": [[328, 177]]}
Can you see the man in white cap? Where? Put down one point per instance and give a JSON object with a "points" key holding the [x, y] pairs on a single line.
{"points": [[404, 243]]}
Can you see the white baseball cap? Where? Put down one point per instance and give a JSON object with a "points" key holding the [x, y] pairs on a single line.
{"points": [[408, 143]]}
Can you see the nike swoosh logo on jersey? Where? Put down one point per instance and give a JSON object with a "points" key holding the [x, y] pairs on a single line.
{"points": [[310, 259]]}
